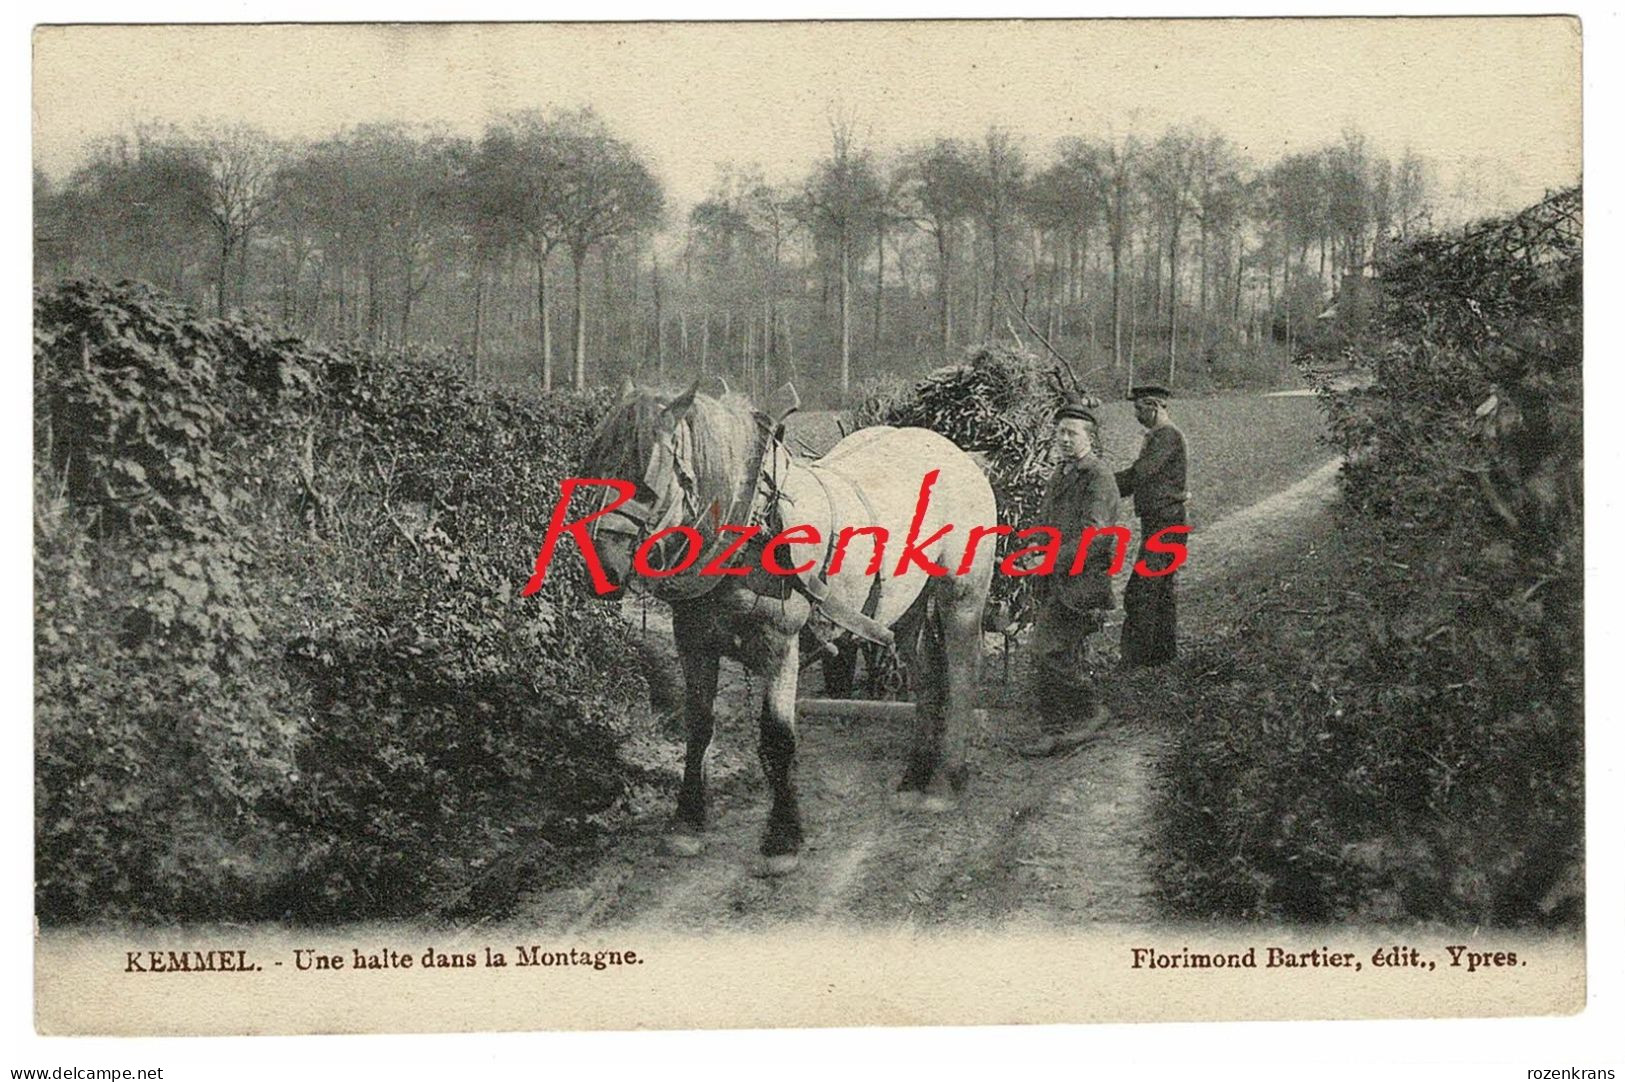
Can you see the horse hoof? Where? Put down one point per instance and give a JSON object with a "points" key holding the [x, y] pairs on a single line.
{"points": [[907, 799], [684, 845], [936, 805], [780, 864]]}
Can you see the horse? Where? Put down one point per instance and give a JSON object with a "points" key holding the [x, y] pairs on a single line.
{"points": [[704, 462]]}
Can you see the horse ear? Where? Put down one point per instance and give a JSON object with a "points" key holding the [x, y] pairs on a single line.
{"points": [[627, 387], [784, 402], [678, 407]]}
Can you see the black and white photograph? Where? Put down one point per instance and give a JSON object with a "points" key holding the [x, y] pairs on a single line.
{"points": [[687, 525]]}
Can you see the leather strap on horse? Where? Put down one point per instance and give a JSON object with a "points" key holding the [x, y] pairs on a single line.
{"points": [[688, 587], [815, 585], [871, 604], [841, 614]]}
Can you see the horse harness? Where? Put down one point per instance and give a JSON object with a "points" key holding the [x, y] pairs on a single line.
{"points": [[764, 509], [815, 585]]}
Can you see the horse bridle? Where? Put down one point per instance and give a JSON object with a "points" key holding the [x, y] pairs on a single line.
{"points": [[760, 494], [672, 485], [670, 476]]}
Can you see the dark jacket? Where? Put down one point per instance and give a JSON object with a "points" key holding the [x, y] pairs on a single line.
{"points": [[1080, 495], [1157, 478]]}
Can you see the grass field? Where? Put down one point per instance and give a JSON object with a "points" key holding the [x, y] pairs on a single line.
{"points": [[1242, 447]]}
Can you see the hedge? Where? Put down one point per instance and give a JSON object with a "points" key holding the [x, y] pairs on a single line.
{"points": [[1417, 753], [282, 665]]}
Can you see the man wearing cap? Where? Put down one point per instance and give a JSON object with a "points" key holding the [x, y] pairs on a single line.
{"points": [[1157, 483], [1081, 493]]}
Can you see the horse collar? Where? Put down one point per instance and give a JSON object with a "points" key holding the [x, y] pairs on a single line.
{"points": [[758, 497]]}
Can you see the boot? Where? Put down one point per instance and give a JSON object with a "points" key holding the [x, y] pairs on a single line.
{"points": [[1060, 736]]}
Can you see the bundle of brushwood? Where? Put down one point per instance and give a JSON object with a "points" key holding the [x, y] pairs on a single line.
{"points": [[1000, 404]]}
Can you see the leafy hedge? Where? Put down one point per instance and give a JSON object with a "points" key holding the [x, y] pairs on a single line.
{"points": [[1416, 752], [282, 667]]}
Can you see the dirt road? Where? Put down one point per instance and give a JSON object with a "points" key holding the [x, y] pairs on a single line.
{"points": [[1058, 841]]}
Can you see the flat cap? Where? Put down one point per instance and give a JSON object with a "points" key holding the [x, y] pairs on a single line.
{"points": [[1078, 404], [1150, 390]]}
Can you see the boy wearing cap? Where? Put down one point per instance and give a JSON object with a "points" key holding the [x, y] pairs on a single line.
{"points": [[1081, 493], [1157, 483]]}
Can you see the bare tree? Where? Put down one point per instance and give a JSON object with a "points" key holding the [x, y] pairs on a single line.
{"points": [[1412, 194], [939, 194], [1002, 174], [1121, 158], [242, 163], [516, 182], [1297, 196], [138, 208], [886, 211], [393, 233], [772, 217], [483, 237], [1218, 203], [423, 219], [605, 191], [1170, 184], [1349, 184], [725, 249], [1064, 203], [295, 227], [837, 202]]}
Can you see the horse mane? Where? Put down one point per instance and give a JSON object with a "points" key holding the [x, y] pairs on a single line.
{"points": [[716, 440], [624, 439], [722, 436]]}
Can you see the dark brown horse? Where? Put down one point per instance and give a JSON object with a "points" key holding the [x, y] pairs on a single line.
{"points": [[703, 462]]}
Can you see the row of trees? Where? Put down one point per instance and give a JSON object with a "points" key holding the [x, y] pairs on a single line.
{"points": [[1116, 252], [349, 234]]}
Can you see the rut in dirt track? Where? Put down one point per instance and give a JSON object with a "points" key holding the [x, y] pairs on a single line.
{"points": [[1056, 841]]}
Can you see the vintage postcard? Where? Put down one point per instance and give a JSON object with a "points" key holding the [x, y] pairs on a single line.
{"points": [[684, 525]]}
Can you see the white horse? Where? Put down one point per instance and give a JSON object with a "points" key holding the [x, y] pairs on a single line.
{"points": [[703, 463]]}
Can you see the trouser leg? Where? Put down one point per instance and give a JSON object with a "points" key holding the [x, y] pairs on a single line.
{"points": [[1063, 690], [1150, 624]]}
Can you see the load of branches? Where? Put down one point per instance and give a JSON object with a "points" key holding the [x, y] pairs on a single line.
{"points": [[998, 403]]}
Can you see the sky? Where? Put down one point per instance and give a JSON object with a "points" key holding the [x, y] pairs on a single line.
{"points": [[1498, 99]]}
